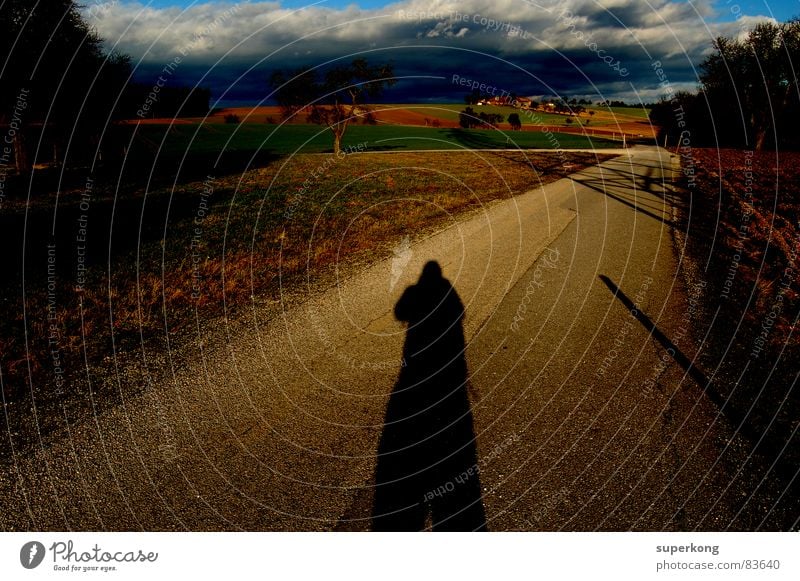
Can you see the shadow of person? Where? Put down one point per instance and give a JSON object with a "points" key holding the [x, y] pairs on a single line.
{"points": [[427, 460]]}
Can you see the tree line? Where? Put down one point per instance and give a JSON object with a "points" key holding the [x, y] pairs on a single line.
{"points": [[748, 97], [60, 88]]}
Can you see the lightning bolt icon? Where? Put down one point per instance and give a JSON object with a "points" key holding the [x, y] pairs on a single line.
{"points": [[34, 550]]}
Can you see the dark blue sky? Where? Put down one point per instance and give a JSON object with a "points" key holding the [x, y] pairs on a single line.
{"points": [[778, 9]]}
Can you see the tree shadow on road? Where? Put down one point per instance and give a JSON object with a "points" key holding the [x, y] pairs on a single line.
{"points": [[687, 363], [427, 459], [622, 185]]}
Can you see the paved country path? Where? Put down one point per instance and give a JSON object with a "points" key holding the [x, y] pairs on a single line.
{"points": [[585, 415]]}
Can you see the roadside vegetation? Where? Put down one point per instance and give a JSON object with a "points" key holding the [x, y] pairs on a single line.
{"points": [[737, 140], [748, 96], [744, 237]]}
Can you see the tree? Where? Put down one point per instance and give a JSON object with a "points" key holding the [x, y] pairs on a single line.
{"points": [[56, 76], [686, 114], [754, 81], [514, 121], [473, 97], [467, 118], [335, 99], [561, 106], [490, 119]]}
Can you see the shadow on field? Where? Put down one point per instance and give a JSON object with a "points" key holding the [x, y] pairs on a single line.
{"points": [[167, 169], [473, 140], [427, 459]]}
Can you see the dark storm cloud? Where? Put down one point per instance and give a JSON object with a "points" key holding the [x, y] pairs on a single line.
{"points": [[570, 47]]}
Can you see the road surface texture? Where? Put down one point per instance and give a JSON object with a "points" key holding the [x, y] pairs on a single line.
{"points": [[587, 412]]}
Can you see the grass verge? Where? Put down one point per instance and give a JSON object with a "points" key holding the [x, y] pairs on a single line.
{"points": [[744, 237]]}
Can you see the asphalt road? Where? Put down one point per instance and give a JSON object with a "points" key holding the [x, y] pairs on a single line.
{"points": [[579, 338]]}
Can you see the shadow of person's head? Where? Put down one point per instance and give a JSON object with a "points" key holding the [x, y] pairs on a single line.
{"points": [[431, 306], [431, 272]]}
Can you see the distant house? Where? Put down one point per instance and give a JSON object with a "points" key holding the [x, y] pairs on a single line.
{"points": [[507, 101], [524, 102], [500, 100]]}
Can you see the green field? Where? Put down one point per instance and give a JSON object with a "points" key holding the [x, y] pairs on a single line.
{"points": [[211, 139], [638, 113], [602, 116], [449, 112]]}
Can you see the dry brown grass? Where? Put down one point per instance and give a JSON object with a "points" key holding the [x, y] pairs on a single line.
{"points": [[750, 210], [744, 235]]}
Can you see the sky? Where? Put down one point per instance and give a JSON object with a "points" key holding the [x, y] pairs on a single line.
{"points": [[636, 50], [780, 9]]}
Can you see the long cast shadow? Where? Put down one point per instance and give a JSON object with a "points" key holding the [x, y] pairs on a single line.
{"points": [[427, 459], [753, 418], [679, 356]]}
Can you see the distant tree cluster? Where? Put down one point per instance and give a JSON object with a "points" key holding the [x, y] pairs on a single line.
{"points": [[612, 103], [749, 94], [61, 92], [475, 97], [56, 78], [468, 119]]}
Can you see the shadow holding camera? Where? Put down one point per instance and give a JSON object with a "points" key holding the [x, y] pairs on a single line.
{"points": [[427, 458]]}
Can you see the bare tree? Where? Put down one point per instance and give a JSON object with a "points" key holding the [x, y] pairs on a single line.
{"points": [[335, 99]]}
